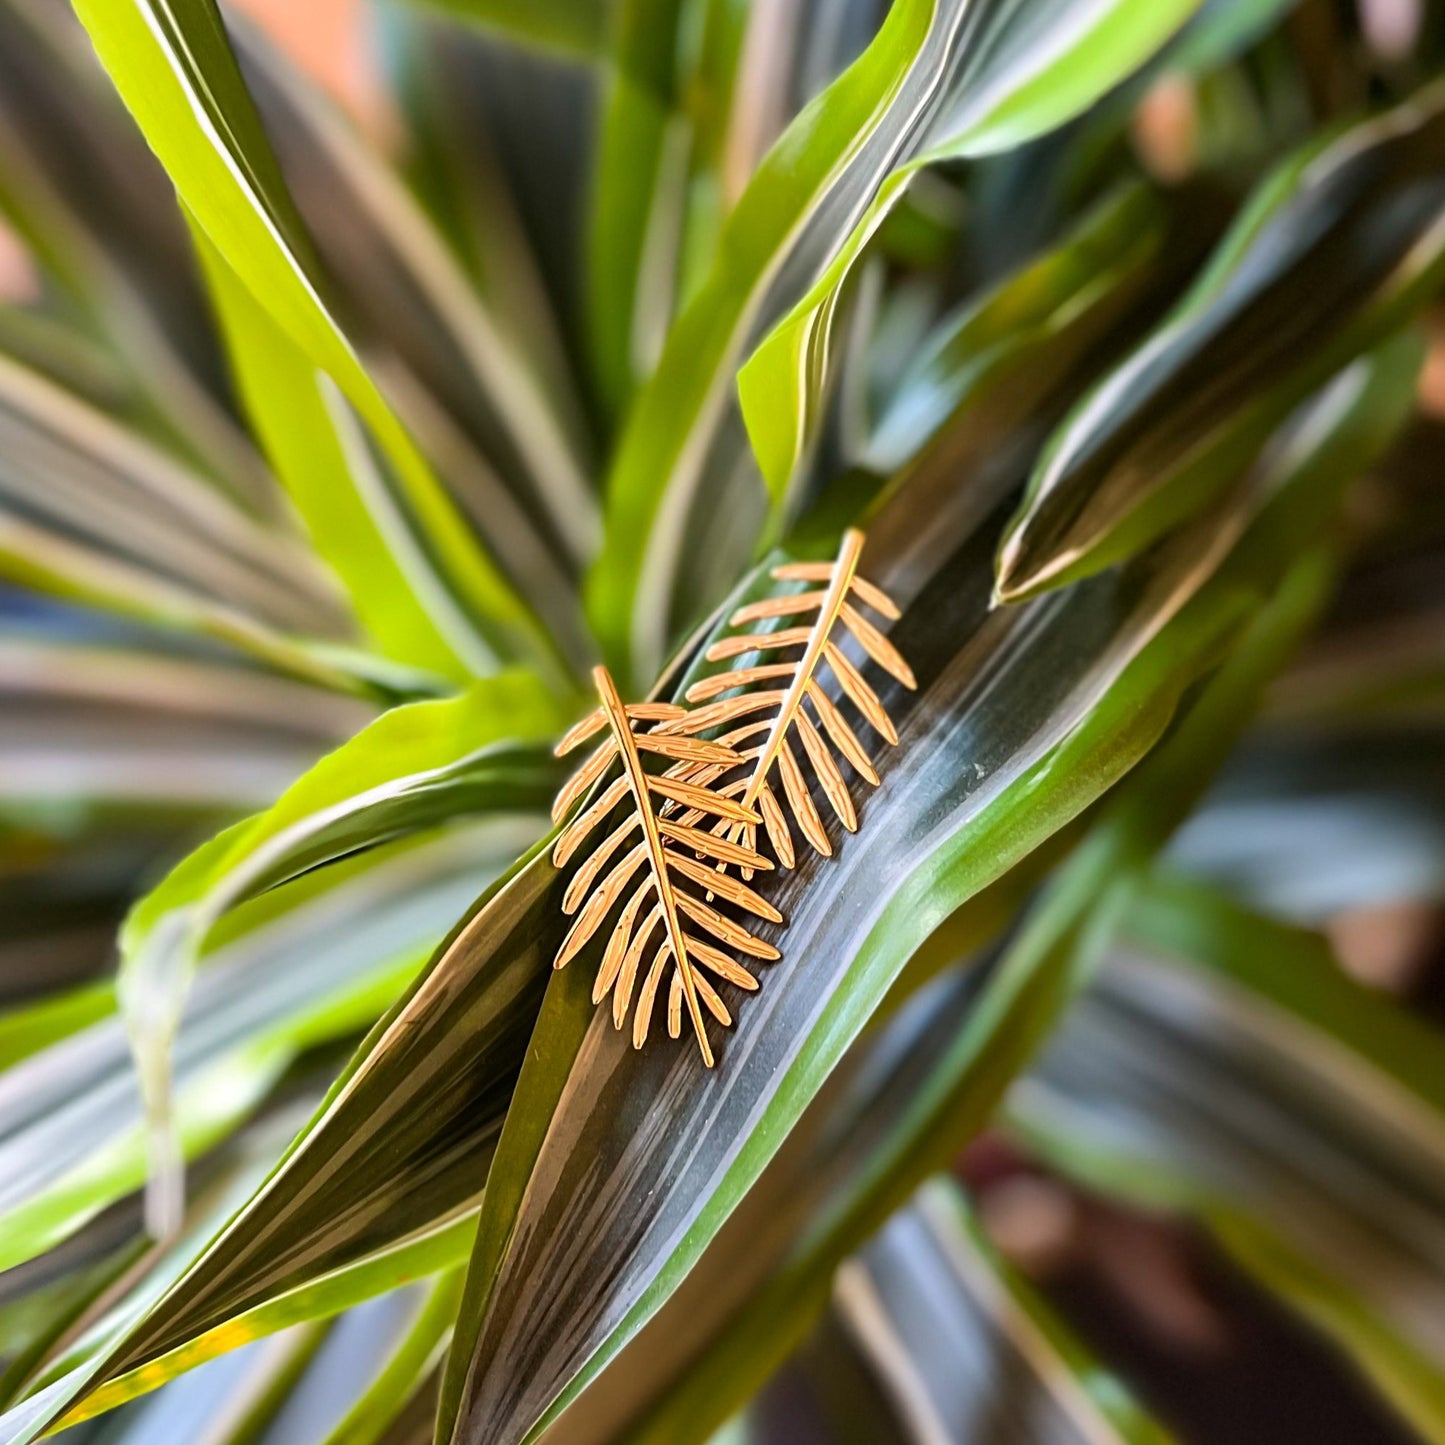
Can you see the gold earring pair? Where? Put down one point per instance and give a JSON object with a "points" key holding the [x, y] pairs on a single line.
{"points": [[703, 816]]}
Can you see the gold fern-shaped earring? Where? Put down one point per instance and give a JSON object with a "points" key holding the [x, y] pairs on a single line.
{"points": [[777, 690], [664, 806]]}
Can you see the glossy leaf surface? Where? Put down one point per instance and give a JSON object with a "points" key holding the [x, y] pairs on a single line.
{"points": [[1333, 254]]}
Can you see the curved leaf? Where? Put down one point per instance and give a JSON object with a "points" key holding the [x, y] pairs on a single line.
{"points": [[238, 1168], [174, 68], [427, 1253], [414, 767], [580, 1169], [685, 429], [1335, 253], [984, 79], [365, 1171], [1031, 322], [932, 1075]]}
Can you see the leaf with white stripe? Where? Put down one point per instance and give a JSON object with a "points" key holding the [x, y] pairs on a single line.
{"points": [[173, 65]]}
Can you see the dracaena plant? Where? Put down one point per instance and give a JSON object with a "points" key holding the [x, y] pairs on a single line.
{"points": [[939, 496]]}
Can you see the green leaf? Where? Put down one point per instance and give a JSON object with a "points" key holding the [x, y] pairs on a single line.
{"points": [[28, 1030], [415, 1358], [684, 438], [174, 69], [1336, 252], [74, 1138], [910, 1094], [413, 768], [474, 151], [984, 84], [1317, 1174], [370, 1143], [984, 379], [441, 1248], [1291, 974], [638, 201], [903, 1100], [239, 1167], [576, 28], [1024, 331], [678, 417], [645, 1199], [680, 118], [320, 453], [983, 1030], [736, 92]]}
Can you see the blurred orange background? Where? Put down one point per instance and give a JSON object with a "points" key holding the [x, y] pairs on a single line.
{"points": [[327, 38]]}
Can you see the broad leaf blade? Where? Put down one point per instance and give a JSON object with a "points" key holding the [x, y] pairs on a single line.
{"points": [[910, 1094], [658, 1187], [585, 1163]]}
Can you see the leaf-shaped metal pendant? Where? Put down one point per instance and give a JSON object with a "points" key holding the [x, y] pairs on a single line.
{"points": [[664, 807], [770, 704]]}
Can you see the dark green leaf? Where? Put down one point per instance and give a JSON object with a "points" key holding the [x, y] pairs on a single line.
{"points": [[589, 1155], [1231, 1071], [1335, 253]]}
